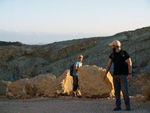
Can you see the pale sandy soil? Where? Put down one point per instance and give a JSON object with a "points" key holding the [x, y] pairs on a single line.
{"points": [[69, 105]]}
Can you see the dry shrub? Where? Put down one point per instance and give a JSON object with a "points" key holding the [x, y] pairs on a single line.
{"points": [[144, 83], [146, 91]]}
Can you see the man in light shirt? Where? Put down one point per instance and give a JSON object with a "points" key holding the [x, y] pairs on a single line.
{"points": [[77, 64]]}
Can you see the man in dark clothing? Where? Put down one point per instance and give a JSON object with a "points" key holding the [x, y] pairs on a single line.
{"points": [[122, 73]]}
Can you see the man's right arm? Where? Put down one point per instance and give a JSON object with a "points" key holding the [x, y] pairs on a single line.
{"points": [[108, 67], [75, 68]]}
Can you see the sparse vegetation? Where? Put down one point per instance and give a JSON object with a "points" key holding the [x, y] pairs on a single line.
{"points": [[144, 83], [146, 91]]}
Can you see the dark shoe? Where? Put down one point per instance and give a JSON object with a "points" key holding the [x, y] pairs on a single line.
{"points": [[128, 108], [73, 94], [117, 108]]}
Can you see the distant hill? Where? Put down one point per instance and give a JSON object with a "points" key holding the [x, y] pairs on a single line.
{"points": [[3, 43], [22, 61]]}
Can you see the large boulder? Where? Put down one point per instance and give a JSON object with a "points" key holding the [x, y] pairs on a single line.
{"points": [[67, 84], [92, 82], [17, 88], [36, 86], [4, 87], [56, 87]]}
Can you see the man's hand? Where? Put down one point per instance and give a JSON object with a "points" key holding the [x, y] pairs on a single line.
{"points": [[129, 62], [107, 68], [129, 76], [105, 76], [75, 68]]}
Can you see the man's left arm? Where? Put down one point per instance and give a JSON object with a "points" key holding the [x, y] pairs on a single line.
{"points": [[129, 62]]}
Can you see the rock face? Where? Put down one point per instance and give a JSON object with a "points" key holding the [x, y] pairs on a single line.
{"points": [[36, 86], [17, 62], [4, 87], [92, 83]]}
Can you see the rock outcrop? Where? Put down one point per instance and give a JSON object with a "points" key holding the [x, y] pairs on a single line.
{"points": [[17, 62], [3, 43], [93, 84]]}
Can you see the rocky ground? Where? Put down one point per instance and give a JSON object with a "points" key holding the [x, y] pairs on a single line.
{"points": [[70, 104]]}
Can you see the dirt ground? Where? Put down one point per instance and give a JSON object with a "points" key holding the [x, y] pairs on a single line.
{"points": [[70, 105]]}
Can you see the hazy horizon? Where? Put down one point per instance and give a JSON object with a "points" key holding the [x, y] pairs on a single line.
{"points": [[47, 35], [47, 21]]}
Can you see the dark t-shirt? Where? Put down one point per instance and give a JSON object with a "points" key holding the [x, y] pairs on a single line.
{"points": [[120, 66]]}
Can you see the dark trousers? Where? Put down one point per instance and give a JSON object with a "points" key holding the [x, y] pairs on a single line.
{"points": [[121, 83], [75, 82]]}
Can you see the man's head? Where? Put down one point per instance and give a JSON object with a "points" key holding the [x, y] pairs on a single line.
{"points": [[115, 44], [80, 58]]}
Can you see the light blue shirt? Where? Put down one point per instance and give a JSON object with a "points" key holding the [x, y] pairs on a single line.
{"points": [[77, 64]]}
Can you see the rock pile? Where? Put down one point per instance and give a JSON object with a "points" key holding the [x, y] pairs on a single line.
{"points": [[91, 84]]}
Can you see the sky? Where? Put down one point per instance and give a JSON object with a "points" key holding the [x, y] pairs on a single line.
{"points": [[47, 21]]}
